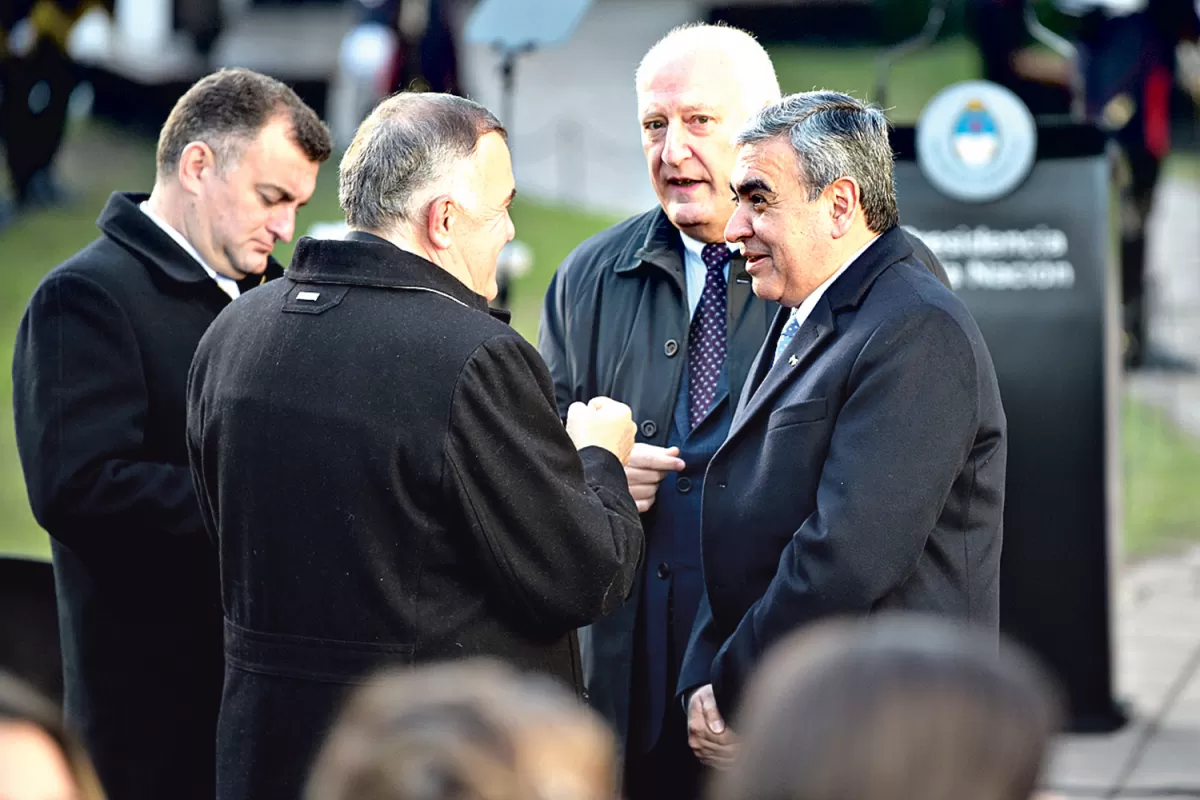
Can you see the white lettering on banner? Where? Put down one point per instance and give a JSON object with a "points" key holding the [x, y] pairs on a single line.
{"points": [[984, 258]]}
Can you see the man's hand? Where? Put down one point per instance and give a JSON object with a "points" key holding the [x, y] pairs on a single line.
{"points": [[647, 466], [713, 742], [602, 423]]}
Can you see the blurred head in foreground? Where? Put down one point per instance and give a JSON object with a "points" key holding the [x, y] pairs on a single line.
{"points": [[39, 759], [474, 730], [893, 708]]}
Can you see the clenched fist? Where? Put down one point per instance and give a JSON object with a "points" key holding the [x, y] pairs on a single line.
{"points": [[603, 422]]}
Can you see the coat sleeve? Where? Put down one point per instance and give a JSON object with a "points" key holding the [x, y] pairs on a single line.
{"points": [[702, 648], [899, 443], [559, 533], [80, 401]]}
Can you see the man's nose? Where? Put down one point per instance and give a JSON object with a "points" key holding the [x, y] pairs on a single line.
{"points": [[738, 227], [283, 224], [675, 145]]}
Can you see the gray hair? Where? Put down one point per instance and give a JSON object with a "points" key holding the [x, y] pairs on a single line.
{"points": [[834, 136], [756, 72], [409, 143]]}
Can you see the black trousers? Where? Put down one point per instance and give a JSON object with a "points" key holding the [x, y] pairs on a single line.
{"points": [[668, 770]]}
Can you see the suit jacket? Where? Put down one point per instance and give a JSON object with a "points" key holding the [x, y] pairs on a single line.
{"points": [[864, 471], [615, 323], [389, 482], [99, 373]]}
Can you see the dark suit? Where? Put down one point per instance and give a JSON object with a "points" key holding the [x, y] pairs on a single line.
{"points": [[615, 322], [389, 482], [99, 373], [864, 471]]}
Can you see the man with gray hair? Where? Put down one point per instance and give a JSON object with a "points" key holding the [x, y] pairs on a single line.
{"points": [[864, 469], [657, 311], [380, 458]]}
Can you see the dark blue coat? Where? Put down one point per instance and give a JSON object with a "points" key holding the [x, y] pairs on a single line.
{"points": [[865, 471], [615, 323]]}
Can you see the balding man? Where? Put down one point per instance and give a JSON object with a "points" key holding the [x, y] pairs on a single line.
{"points": [[381, 460], [657, 312]]}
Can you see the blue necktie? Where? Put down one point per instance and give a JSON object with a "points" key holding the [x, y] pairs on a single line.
{"points": [[706, 338], [785, 336]]}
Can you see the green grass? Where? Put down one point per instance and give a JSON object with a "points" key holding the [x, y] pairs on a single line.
{"points": [[1161, 466]]}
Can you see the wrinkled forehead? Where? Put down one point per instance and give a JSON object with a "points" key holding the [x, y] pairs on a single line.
{"points": [[767, 162], [690, 81]]}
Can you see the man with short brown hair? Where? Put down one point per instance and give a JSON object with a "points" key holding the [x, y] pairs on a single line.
{"points": [[99, 374]]}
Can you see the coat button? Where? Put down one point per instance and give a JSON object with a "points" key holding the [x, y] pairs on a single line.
{"points": [[684, 485], [649, 428], [671, 347], [663, 571]]}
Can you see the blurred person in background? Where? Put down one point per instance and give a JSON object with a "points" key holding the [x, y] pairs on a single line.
{"points": [[426, 58], [1129, 54], [99, 378], [1128, 67], [37, 77], [380, 459], [469, 731], [893, 708], [657, 311], [39, 758], [1041, 79]]}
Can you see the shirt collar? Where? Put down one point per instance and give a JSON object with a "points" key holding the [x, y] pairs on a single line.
{"points": [[694, 246]]}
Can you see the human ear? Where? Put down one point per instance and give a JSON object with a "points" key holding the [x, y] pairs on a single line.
{"points": [[441, 217], [196, 162], [843, 196]]}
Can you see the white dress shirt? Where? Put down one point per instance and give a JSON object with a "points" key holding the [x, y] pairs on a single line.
{"points": [[695, 271], [227, 284]]}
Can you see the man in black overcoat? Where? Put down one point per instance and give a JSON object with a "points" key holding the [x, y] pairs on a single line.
{"points": [[381, 458], [99, 374]]}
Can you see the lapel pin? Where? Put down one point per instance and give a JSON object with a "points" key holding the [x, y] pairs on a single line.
{"points": [[793, 361]]}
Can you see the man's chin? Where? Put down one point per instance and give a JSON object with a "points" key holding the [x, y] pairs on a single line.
{"points": [[248, 268], [765, 289], [689, 217]]}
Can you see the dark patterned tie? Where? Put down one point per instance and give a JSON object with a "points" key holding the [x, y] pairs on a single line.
{"points": [[706, 339]]}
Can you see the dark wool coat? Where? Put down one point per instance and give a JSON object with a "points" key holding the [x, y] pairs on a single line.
{"points": [[863, 472], [389, 481], [99, 373]]}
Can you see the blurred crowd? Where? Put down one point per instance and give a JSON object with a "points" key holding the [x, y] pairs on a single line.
{"points": [[895, 708]]}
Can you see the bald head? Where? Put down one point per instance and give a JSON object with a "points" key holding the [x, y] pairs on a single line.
{"points": [[696, 88], [737, 51]]}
